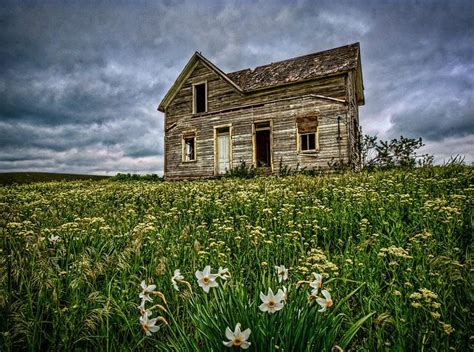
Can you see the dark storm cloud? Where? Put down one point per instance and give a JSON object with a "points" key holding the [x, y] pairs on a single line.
{"points": [[80, 82]]}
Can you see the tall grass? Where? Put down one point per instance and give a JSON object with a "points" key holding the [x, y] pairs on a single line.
{"points": [[394, 249]]}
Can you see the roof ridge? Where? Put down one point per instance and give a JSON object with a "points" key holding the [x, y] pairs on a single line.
{"points": [[296, 57]]}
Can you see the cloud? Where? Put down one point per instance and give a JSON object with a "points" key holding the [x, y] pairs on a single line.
{"points": [[80, 82]]}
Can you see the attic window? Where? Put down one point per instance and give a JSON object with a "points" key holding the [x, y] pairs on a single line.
{"points": [[199, 98]]}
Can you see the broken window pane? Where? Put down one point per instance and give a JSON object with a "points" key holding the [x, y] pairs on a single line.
{"points": [[189, 154]]}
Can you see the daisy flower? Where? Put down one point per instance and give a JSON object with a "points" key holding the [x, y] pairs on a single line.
{"points": [[146, 291], [205, 279], [325, 302], [271, 303], [224, 274], [237, 338], [282, 273], [176, 277], [148, 325], [316, 284]]}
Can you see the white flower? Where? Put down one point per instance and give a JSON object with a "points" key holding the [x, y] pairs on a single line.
{"points": [[316, 284], [205, 279], [146, 290], [148, 325], [53, 239], [271, 303], [282, 273], [224, 274], [237, 338], [283, 292], [176, 277], [325, 302], [142, 308]]}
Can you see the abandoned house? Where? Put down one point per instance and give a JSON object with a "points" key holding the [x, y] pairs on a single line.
{"points": [[296, 113]]}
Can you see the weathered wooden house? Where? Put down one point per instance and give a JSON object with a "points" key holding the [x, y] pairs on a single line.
{"points": [[301, 112]]}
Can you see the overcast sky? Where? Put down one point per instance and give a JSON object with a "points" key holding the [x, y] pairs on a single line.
{"points": [[80, 81]]}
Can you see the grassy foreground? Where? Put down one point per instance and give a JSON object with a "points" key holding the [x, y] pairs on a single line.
{"points": [[394, 249]]}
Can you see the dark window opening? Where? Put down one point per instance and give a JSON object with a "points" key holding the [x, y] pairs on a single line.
{"points": [[200, 98], [263, 148], [189, 149], [308, 141]]}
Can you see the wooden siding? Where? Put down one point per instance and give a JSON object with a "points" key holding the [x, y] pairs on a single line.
{"points": [[352, 120], [281, 106]]}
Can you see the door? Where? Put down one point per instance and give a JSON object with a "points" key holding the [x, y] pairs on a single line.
{"points": [[223, 150]]}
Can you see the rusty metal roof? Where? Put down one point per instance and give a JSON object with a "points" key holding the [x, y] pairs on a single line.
{"points": [[301, 68]]}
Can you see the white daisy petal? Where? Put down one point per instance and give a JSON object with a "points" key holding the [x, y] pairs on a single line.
{"points": [[245, 345], [246, 334], [154, 328], [326, 294], [322, 303], [213, 283], [280, 295], [237, 330], [229, 334]]}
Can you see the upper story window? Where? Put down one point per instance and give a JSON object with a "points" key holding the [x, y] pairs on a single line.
{"points": [[200, 98]]}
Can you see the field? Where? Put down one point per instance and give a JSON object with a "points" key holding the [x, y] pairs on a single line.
{"points": [[394, 250], [8, 178]]}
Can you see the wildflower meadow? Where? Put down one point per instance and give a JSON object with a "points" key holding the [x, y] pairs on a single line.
{"points": [[357, 261]]}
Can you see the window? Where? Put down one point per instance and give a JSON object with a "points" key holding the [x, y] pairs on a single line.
{"points": [[189, 147], [308, 141], [199, 98], [308, 138]]}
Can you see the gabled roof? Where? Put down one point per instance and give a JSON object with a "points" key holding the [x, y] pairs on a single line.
{"points": [[188, 69], [302, 68]]}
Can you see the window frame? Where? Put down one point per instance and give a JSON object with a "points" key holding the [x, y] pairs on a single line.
{"points": [[185, 136], [316, 142], [262, 125], [195, 100], [216, 132]]}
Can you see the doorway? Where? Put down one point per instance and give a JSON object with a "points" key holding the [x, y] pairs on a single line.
{"points": [[263, 145], [222, 150]]}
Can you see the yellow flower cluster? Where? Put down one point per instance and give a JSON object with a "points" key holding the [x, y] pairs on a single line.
{"points": [[316, 260], [422, 237], [424, 298], [394, 252]]}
